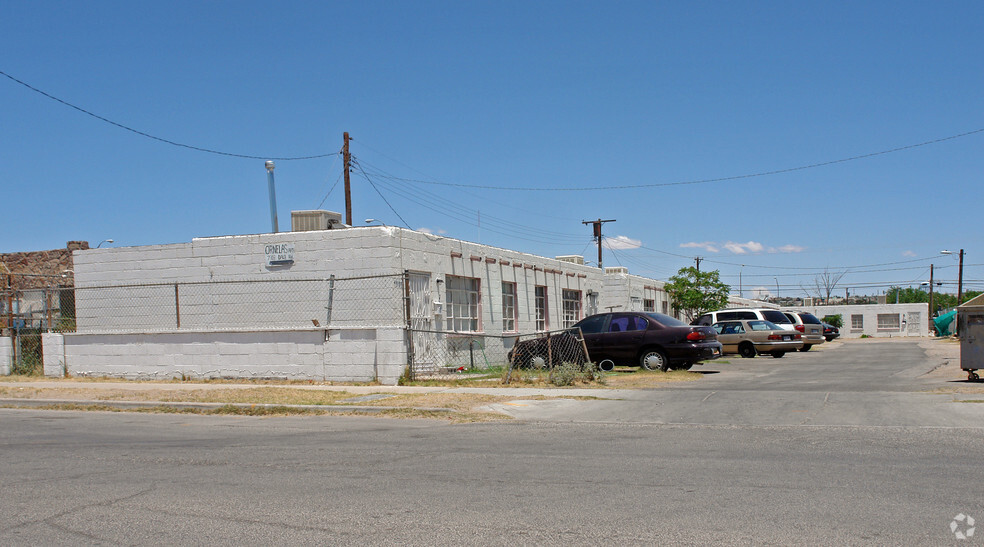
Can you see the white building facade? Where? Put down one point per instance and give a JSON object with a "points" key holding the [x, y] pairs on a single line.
{"points": [[330, 305]]}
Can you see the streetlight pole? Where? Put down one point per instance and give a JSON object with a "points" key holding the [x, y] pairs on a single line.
{"points": [[777, 289], [741, 293]]}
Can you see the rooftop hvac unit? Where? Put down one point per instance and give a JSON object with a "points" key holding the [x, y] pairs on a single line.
{"points": [[309, 221], [617, 270], [573, 259]]}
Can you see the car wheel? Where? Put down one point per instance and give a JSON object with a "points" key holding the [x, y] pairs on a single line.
{"points": [[778, 354], [806, 347], [746, 349], [654, 360]]}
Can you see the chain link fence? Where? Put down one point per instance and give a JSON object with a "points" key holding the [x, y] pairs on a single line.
{"points": [[355, 302], [242, 305], [31, 305], [441, 353]]}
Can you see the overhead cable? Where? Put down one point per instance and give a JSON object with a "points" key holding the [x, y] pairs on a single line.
{"points": [[166, 141], [701, 181]]}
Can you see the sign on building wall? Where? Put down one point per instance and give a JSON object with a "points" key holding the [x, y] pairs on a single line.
{"points": [[279, 254]]}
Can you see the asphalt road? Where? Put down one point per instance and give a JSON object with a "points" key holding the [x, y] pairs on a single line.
{"points": [[722, 472]]}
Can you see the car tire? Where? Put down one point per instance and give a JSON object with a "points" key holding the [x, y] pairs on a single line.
{"points": [[778, 354], [746, 350], [806, 347], [654, 359]]}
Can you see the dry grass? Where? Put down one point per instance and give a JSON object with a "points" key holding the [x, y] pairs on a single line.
{"points": [[643, 379], [403, 405], [273, 411]]}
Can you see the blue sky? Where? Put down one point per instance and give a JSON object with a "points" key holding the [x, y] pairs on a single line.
{"points": [[458, 109]]}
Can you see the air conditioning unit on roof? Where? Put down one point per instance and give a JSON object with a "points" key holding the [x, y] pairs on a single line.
{"points": [[309, 221], [573, 259], [617, 270]]}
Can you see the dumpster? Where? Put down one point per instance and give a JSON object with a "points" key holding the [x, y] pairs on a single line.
{"points": [[970, 325]]}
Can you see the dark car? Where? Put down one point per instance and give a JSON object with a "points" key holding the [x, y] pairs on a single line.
{"points": [[830, 332], [653, 341]]}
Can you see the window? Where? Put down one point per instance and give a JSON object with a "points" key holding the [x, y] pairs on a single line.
{"points": [[542, 321], [593, 325], [572, 307], [776, 317], [508, 307], [627, 323], [649, 304], [857, 321], [666, 308], [463, 300], [889, 321]]}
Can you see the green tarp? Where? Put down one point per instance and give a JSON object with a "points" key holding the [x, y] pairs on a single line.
{"points": [[944, 322]]}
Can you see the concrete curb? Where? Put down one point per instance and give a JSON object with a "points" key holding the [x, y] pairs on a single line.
{"points": [[126, 405]]}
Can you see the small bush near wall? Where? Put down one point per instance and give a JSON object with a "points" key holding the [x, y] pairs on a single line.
{"points": [[835, 320]]}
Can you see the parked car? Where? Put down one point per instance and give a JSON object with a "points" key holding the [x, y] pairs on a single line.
{"points": [[809, 326], [749, 338], [830, 332], [559, 348], [762, 314], [653, 341]]}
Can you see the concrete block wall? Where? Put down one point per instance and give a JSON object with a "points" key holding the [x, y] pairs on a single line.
{"points": [[630, 292], [352, 252], [356, 355], [53, 349], [6, 356], [913, 319]]}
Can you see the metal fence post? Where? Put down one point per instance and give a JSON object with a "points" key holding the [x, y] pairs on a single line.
{"points": [[407, 312], [331, 299], [177, 306]]}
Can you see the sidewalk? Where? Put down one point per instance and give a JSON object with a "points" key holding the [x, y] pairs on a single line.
{"points": [[72, 393]]}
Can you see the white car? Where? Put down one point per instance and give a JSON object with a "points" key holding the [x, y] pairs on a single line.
{"points": [[737, 314]]}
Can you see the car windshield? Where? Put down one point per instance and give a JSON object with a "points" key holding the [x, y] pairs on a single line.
{"points": [[809, 318], [763, 325], [776, 317], [666, 320]]}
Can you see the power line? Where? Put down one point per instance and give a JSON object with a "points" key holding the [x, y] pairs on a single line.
{"points": [[382, 196], [702, 181], [160, 139]]}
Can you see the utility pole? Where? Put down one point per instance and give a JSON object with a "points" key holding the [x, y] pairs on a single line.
{"points": [[347, 161], [931, 309], [698, 259], [596, 224], [960, 279]]}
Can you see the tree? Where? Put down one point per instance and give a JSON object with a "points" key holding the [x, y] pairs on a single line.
{"points": [[826, 283], [694, 292]]}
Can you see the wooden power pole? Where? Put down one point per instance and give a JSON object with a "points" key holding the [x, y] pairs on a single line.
{"points": [[596, 224], [347, 159]]}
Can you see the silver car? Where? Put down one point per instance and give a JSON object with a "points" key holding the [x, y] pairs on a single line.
{"points": [[809, 326]]}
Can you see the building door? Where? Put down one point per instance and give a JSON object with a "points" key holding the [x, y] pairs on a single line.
{"points": [[422, 323]]}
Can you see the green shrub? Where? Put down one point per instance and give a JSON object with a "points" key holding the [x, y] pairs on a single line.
{"points": [[835, 320]]}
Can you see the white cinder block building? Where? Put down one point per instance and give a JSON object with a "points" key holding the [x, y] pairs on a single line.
{"points": [[322, 305]]}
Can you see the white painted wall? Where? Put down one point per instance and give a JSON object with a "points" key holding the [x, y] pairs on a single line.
{"points": [[6, 356], [53, 351], [210, 342], [913, 318], [629, 292], [353, 252], [349, 355]]}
